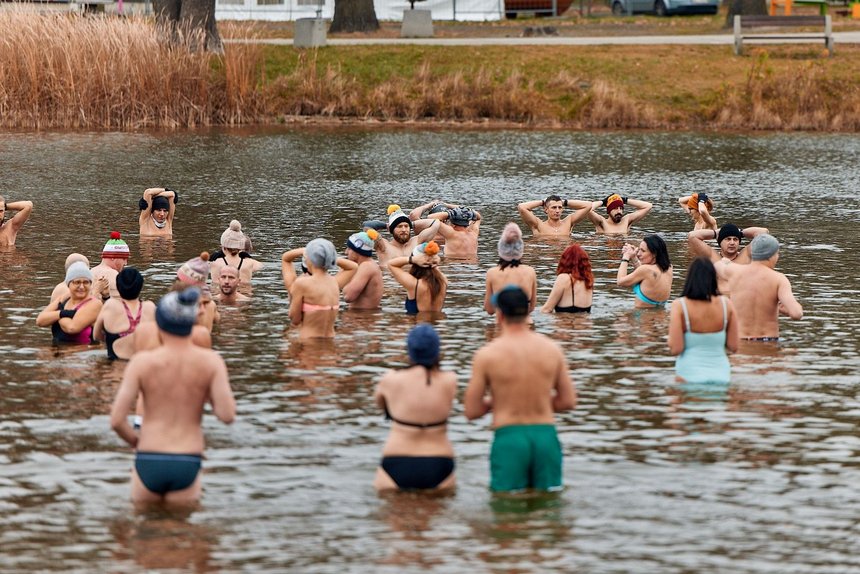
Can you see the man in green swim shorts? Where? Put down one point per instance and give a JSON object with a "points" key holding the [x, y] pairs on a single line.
{"points": [[522, 377]]}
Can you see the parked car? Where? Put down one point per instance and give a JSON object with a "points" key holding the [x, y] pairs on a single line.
{"points": [[665, 7], [537, 7]]}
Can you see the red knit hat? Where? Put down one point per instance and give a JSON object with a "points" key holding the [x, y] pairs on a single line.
{"points": [[614, 201], [115, 248]]}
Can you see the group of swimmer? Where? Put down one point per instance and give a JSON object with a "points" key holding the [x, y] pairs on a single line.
{"points": [[521, 377]]}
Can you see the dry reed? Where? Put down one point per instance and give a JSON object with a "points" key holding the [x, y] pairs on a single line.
{"points": [[803, 99], [64, 70]]}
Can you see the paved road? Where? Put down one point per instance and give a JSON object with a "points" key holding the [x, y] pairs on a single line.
{"points": [[715, 39]]}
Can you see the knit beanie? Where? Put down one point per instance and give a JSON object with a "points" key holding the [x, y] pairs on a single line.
{"points": [[396, 216], [233, 238], [511, 242], [177, 311], [614, 201], [763, 247], [160, 202], [729, 230], [423, 345], [129, 282], [195, 271], [362, 242], [78, 270], [115, 248]]}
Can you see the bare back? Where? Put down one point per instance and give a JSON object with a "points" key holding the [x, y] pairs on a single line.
{"points": [[461, 242], [523, 276], [523, 371], [756, 292], [314, 302], [175, 385], [408, 397]]}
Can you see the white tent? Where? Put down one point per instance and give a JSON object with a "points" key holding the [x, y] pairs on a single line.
{"points": [[480, 10]]}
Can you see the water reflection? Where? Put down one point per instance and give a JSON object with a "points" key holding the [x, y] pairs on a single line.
{"points": [[768, 464]]}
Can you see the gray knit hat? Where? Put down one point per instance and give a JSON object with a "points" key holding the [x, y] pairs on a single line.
{"points": [[511, 243], [763, 247], [78, 270], [176, 312]]}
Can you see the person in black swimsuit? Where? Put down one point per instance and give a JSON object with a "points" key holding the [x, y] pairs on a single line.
{"points": [[574, 283], [417, 400]]}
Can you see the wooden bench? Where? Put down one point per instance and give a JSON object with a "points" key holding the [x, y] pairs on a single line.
{"points": [[745, 27]]}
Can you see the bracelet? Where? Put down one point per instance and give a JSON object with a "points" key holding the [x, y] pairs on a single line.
{"points": [[625, 260], [715, 233]]}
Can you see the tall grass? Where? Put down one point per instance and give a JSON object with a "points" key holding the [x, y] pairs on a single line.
{"points": [[68, 71], [64, 70], [806, 98]]}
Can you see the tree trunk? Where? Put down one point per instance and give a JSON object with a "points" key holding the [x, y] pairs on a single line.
{"points": [[745, 8], [192, 21], [354, 16]]}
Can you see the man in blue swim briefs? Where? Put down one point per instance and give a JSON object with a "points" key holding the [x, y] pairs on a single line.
{"points": [[522, 377], [175, 381]]}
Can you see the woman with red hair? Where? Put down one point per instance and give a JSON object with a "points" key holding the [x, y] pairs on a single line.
{"points": [[574, 285]]}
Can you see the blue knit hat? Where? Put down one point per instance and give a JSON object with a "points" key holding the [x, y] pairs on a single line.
{"points": [[423, 344]]}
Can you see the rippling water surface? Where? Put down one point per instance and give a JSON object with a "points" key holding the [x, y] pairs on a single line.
{"points": [[758, 476]]}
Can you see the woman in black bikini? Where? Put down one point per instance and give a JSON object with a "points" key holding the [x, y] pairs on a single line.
{"points": [[574, 285], [417, 400]]}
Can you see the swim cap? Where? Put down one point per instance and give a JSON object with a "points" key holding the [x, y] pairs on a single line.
{"points": [[73, 257], [129, 282], [160, 202], [729, 230], [423, 345], [511, 242], [614, 201], [78, 270], [233, 238], [321, 252], [195, 271], [461, 216], [362, 242], [763, 247], [438, 208], [512, 301], [397, 217], [176, 312], [115, 248]]}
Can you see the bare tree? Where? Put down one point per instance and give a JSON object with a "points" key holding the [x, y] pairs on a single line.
{"points": [[189, 20], [354, 16]]}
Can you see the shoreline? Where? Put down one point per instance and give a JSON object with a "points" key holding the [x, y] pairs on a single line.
{"points": [[54, 75]]}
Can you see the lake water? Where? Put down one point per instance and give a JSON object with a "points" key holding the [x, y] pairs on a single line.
{"points": [[761, 475]]}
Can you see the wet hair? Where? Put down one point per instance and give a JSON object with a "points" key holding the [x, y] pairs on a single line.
{"points": [[432, 275], [701, 282], [575, 261], [551, 198], [512, 263], [657, 246]]}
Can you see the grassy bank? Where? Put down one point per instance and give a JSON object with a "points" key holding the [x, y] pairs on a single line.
{"points": [[59, 71]]}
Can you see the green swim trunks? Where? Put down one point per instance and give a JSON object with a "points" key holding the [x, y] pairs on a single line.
{"points": [[525, 456]]}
